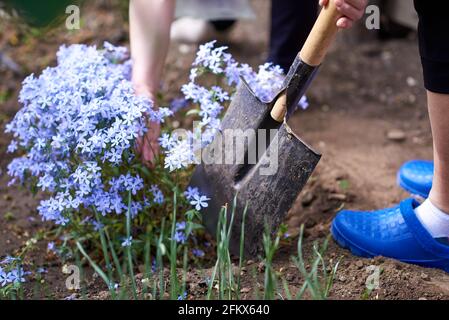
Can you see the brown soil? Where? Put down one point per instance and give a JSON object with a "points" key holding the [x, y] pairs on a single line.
{"points": [[363, 92]]}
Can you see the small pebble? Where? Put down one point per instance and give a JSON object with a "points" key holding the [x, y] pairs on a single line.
{"points": [[411, 98], [425, 276], [149, 296], [325, 108], [386, 55], [396, 135], [411, 82], [245, 290], [184, 48], [307, 199], [398, 266], [337, 196]]}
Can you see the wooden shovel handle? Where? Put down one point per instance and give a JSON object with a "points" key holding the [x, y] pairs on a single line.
{"points": [[312, 53], [322, 35]]}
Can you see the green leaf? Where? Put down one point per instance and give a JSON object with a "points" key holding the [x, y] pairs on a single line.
{"points": [[163, 248], [192, 112], [196, 226], [344, 184]]}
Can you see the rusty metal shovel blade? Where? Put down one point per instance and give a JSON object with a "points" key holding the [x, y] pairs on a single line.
{"points": [[267, 195]]}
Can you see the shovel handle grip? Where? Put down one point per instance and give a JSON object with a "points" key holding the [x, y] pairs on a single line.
{"points": [[322, 35], [307, 62]]}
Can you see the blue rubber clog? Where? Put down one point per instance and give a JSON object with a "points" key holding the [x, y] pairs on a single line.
{"points": [[394, 233], [416, 177]]}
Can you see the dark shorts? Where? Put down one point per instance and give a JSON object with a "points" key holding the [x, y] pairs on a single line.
{"points": [[433, 31], [291, 22]]}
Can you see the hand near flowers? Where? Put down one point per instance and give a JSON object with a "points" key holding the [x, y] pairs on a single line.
{"points": [[147, 146], [150, 23]]}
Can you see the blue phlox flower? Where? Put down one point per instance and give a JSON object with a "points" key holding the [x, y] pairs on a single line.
{"points": [[181, 226], [5, 278], [191, 192], [167, 141], [198, 253], [127, 242], [8, 260], [13, 146], [41, 270], [97, 225], [180, 236], [199, 202], [157, 194], [183, 296], [17, 275]]}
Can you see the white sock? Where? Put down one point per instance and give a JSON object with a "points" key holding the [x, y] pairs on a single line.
{"points": [[433, 219]]}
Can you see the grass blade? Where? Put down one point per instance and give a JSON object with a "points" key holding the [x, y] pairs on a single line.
{"points": [[128, 249], [97, 270]]}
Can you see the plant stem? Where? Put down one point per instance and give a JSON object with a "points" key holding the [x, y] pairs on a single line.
{"points": [[128, 249], [105, 252], [173, 251], [97, 269], [242, 248]]}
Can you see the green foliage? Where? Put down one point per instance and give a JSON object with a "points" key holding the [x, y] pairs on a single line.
{"points": [[270, 248], [9, 216], [223, 272], [344, 185], [318, 281], [39, 14]]}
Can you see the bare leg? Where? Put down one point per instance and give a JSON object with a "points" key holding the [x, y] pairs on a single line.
{"points": [[150, 23], [439, 118]]}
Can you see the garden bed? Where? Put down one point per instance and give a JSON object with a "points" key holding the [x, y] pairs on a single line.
{"points": [[353, 106]]}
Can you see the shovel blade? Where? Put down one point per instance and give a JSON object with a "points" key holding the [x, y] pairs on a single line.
{"points": [[217, 181], [269, 194], [268, 188]]}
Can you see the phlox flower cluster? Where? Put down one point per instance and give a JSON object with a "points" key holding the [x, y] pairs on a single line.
{"points": [[76, 132], [10, 273]]}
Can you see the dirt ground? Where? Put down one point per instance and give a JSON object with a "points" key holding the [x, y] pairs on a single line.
{"points": [[364, 93]]}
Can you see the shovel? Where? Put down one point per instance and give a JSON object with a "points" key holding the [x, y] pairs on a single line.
{"points": [[266, 194]]}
